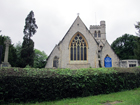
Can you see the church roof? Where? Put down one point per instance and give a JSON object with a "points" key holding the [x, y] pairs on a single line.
{"points": [[77, 19]]}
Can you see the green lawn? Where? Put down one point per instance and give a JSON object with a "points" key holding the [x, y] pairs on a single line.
{"points": [[131, 97]]}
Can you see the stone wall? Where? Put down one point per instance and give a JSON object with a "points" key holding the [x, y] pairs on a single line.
{"points": [[107, 50], [129, 63], [78, 27], [62, 50], [55, 52]]}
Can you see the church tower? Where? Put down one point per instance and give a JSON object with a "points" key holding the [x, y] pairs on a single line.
{"points": [[99, 31]]}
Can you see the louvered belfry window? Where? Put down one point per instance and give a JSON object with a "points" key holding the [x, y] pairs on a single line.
{"points": [[78, 48]]}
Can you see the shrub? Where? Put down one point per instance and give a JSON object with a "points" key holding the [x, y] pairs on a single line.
{"points": [[32, 85]]}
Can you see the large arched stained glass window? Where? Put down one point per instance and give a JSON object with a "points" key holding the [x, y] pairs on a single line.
{"points": [[78, 48]]}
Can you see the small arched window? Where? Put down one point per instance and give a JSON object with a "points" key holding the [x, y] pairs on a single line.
{"points": [[78, 48], [99, 34], [55, 62], [95, 34]]}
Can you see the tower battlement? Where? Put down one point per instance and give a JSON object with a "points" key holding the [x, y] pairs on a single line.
{"points": [[102, 24], [99, 31], [95, 27]]}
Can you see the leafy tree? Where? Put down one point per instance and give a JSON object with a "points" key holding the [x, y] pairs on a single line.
{"points": [[27, 52], [40, 59], [30, 26], [137, 26], [2, 39], [124, 46], [18, 48], [137, 49], [12, 57]]}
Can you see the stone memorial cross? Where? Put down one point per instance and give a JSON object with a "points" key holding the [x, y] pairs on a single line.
{"points": [[7, 43]]}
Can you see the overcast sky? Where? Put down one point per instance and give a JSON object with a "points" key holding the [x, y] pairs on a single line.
{"points": [[54, 18]]}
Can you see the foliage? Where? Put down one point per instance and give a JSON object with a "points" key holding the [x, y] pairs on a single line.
{"points": [[18, 48], [124, 46], [129, 97], [30, 26], [137, 49], [27, 52], [37, 85], [27, 66], [137, 26], [12, 57], [39, 59], [2, 39]]}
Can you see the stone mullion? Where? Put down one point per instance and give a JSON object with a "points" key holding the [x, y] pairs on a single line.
{"points": [[80, 53], [83, 51], [70, 52], [86, 52], [76, 52], [73, 51]]}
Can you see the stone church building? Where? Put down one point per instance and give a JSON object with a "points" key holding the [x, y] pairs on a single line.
{"points": [[83, 48]]}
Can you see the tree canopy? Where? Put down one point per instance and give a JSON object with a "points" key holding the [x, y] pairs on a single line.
{"points": [[124, 46], [137, 26], [30, 26], [40, 59], [27, 51], [137, 50]]}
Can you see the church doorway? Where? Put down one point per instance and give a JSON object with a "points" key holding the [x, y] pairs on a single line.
{"points": [[56, 62], [107, 61]]}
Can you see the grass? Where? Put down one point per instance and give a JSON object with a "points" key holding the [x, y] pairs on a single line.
{"points": [[131, 97]]}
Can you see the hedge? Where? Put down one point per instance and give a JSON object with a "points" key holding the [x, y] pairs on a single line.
{"points": [[37, 85]]}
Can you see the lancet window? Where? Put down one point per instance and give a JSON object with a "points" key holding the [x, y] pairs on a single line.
{"points": [[78, 48], [99, 34], [95, 34]]}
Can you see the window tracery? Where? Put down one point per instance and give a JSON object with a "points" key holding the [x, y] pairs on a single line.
{"points": [[78, 48]]}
